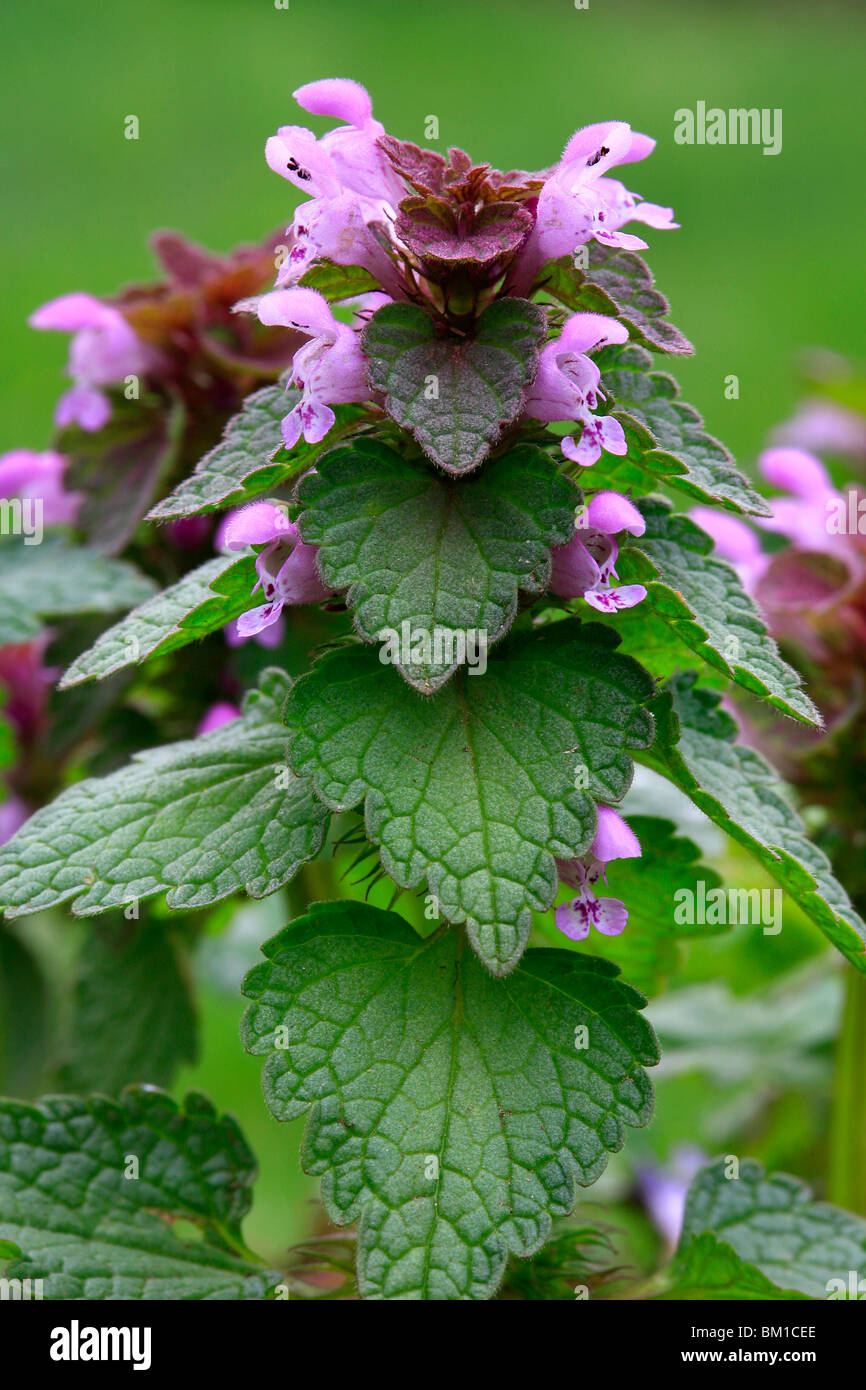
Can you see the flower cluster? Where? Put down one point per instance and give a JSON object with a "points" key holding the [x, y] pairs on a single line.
{"points": [[408, 225], [449, 234]]}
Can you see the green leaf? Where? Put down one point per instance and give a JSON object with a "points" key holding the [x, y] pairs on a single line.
{"points": [[338, 281], [707, 1269], [412, 546], [452, 1113], [201, 819], [250, 458], [646, 951], [703, 600], [737, 789], [666, 439], [618, 283], [133, 1017], [202, 602], [473, 788], [56, 580], [456, 395], [91, 1228], [771, 1221]]}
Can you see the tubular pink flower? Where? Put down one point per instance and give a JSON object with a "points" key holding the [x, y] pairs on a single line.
{"points": [[611, 512], [613, 840], [583, 567], [348, 179], [334, 229], [256, 524], [577, 203], [104, 349], [357, 160], [330, 368], [286, 567], [566, 387]]}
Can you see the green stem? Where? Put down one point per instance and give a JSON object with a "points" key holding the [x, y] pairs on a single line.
{"points": [[846, 1184]]}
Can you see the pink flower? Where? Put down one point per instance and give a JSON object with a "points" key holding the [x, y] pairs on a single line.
{"points": [[577, 203], [824, 427], [583, 568], [13, 814], [566, 387], [736, 542], [25, 681], [348, 179], [802, 516], [329, 368], [286, 567], [335, 229], [214, 718], [26, 474], [104, 349], [356, 159], [613, 840]]}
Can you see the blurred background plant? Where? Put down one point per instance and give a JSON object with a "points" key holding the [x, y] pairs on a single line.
{"points": [[750, 1029]]}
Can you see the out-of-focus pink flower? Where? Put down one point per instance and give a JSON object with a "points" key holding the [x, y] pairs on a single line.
{"points": [[664, 1188], [25, 682], [13, 814], [330, 368], [583, 568], [26, 474], [802, 516], [736, 542], [824, 427], [613, 840], [214, 718], [104, 349]]}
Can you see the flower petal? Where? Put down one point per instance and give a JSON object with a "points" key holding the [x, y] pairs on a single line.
{"points": [[611, 512], [256, 524], [573, 919], [336, 96], [614, 839], [611, 916], [612, 600]]}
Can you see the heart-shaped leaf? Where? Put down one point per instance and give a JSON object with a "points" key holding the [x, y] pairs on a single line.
{"points": [[455, 394], [450, 1112], [444, 556]]}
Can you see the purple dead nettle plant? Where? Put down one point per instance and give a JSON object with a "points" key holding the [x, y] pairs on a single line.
{"points": [[430, 405]]}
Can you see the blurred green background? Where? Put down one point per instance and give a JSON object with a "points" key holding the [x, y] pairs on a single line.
{"points": [[769, 260]]}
